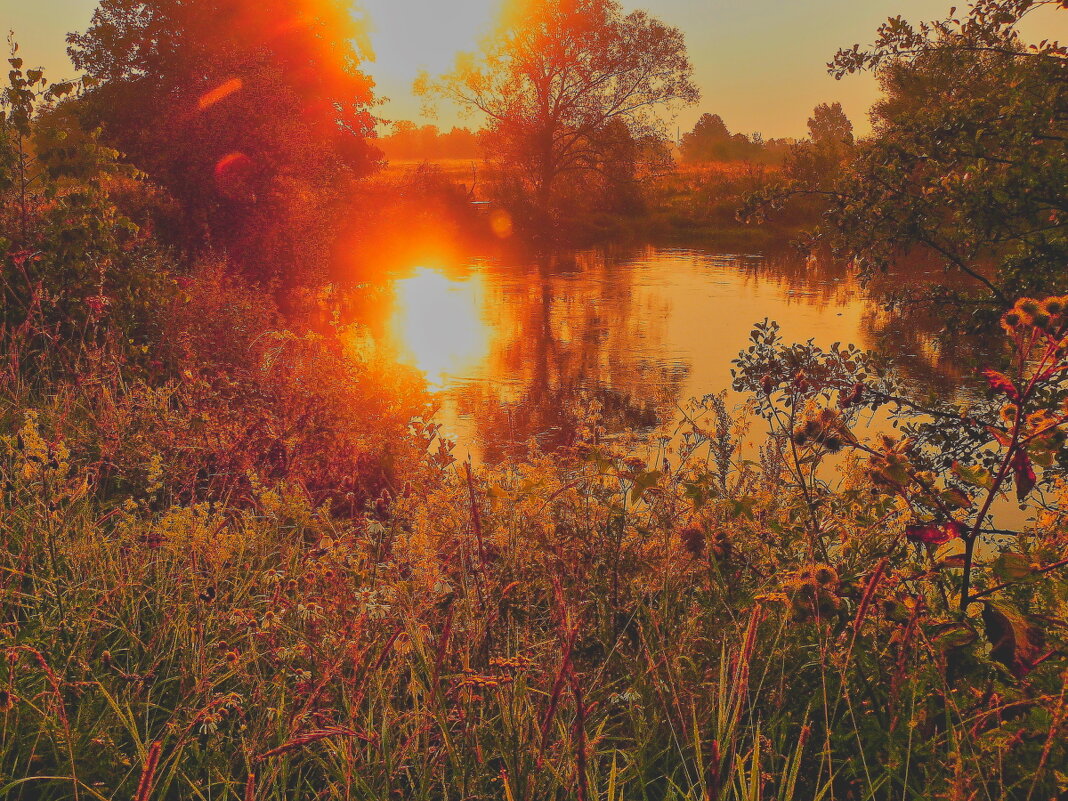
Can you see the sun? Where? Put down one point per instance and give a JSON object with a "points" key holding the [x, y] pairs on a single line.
{"points": [[437, 324]]}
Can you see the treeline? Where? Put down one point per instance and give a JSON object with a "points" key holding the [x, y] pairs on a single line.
{"points": [[711, 141], [407, 141]]}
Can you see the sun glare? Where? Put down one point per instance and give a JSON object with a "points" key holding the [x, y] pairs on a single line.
{"points": [[437, 323]]}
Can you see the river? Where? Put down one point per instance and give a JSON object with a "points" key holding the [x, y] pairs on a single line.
{"points": [[511, 346]]}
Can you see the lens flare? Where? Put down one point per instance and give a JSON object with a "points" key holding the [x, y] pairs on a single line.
{"points": [[234, 176], [219, 93]]}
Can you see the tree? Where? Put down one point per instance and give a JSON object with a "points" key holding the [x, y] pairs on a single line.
{"points": [[968, 161], [966, 165], [708, 141], [252, 115], [77, 273], [817, 163], [829, 126], [561, 83]]}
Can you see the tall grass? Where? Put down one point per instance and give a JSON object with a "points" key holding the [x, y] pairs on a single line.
{"points": [[562, 628]]}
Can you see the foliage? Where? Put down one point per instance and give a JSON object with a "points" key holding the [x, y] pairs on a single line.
{"points": [[263, 115], [966, 165], [568, 88], [699, 624], [408, 142], [71, 257], [711, 141]]}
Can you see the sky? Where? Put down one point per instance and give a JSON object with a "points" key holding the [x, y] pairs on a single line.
{"points": [[760, 64]]}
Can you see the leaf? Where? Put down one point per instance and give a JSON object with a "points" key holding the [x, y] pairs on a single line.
{"points": [[743, 507], [1002, 383], [1004, 440], [1023, 474], [977, 476], [950, 636], [1012, 566], [1017, 642], [642, 482], [933, 533], [956, 499]]}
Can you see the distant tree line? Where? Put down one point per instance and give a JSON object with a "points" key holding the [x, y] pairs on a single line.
{"points": [[711, 141], [407, 141]]}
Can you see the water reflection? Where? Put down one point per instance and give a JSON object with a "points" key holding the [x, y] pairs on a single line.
{"points": [[516, 347], [437, 324]]}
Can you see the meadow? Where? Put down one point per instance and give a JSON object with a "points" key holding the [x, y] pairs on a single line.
{"points": [[240, 560]]}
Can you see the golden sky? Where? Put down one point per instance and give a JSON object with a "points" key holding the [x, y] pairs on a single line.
{"points": [[760, 63]]}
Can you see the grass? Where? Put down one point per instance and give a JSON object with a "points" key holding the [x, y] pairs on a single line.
{"points": [[571, 626]]}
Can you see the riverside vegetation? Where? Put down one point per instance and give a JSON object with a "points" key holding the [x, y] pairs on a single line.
{"points": [[238, 560]]}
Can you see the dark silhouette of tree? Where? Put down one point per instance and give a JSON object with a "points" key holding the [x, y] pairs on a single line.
{"points": [[564, 86], [711, 141], [252, 114], [968, 160], [708, 141], [829, 126], [818, 162]]}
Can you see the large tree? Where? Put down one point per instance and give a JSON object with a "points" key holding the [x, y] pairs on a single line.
{"points": [[252, 114], [568, 84], [966, 165], [968, 160]]}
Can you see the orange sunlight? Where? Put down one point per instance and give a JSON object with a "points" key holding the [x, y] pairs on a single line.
{"points": [[437, 324]]}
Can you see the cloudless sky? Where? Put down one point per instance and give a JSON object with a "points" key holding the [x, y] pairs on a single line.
{"points": [[761, 64]]}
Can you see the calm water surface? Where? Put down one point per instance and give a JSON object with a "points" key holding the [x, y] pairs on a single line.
{"points": [[512, 346]]}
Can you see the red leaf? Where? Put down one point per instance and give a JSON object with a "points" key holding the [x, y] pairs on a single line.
{"points": [[1023, 474], [933, 533], [1002, 383]]}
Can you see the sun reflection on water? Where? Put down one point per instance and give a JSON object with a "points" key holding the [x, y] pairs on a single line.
{"points": [[437, 324]]}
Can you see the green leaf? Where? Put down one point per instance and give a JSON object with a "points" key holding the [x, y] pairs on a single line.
{"points": [[951, 636], [642, 482], [1016, 641], [955, 499], [1012, 566], [977, 476]]}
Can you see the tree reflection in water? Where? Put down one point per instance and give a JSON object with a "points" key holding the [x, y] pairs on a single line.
{"points": [[518, 348]]}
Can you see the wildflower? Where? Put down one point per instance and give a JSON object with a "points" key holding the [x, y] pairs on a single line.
{"points": [[772, 597], [693, 541], [7, 700], [1055, 306], [97, 305], [810, 600], [231, 657], [825, 575], [155, 474], [1010, 320], [512, 663]]}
